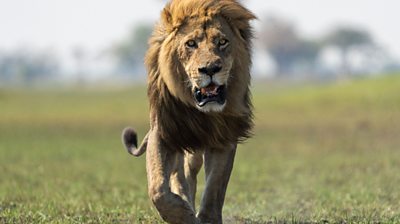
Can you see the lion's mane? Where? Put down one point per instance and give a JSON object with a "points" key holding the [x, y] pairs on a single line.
{"points": [[180, 125]]}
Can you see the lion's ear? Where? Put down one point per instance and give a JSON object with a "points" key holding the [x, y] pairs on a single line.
{"points": [[166, 19], [245, 29], [240, 18]]}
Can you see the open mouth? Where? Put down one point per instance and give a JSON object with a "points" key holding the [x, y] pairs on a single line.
{"points": [[210, 93]]}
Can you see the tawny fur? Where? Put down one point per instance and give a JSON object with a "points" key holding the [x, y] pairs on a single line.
{"points": [[180, 134], [180, 123]]}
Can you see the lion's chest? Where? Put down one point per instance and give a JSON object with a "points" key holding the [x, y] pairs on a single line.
{"points": [[196, 130]]}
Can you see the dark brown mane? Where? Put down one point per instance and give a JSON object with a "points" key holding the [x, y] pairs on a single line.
{"points": [[185, 127]]}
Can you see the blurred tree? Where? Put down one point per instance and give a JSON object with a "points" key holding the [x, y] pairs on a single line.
{"points": [[79, 54], [306, 54], [347, 39], [26, 67], [281, 40], [287, 49], [130, 52]]}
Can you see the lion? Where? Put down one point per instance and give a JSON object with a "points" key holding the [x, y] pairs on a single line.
{"points": [[198, 65]]}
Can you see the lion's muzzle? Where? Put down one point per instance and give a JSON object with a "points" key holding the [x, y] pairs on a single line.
{"points": [[210, 93]]}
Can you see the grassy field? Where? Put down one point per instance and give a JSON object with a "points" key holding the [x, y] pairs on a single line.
{"points": [[320, 154]]}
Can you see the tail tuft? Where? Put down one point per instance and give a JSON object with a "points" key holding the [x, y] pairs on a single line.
{"points": [[129, 138]]}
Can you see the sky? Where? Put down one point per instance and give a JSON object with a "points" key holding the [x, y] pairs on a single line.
{"points": [[61, 25]]}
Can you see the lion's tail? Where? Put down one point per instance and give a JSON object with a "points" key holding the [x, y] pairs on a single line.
{"points": [[129, 139]]}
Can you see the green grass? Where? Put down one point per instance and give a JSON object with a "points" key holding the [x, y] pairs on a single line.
{"points": [[320, 154]]}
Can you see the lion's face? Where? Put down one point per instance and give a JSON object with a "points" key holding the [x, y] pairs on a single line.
{"points": [[200, 55], [206, 56]]}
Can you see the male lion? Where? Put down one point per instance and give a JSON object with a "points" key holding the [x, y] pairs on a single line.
{"points": [[198, 88]]}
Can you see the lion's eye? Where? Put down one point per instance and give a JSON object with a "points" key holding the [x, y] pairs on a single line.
{"points": [[223, 42], [191, 43]]}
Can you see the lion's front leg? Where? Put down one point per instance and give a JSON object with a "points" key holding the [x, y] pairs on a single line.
{"points": [[218, 165], [160, 161], [193, 164], [179, 184]]}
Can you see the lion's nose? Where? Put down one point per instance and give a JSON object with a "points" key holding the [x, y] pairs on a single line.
{"points": [[211, 69]]}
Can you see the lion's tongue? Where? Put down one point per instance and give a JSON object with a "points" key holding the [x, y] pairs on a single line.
{"points": [[209, 90]]}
